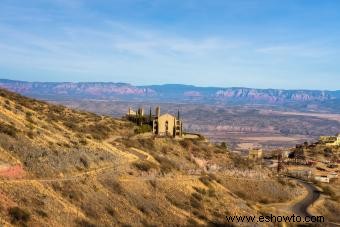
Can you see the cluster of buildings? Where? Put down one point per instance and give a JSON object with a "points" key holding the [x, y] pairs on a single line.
{"points": [[161, 124], [331, 140]]}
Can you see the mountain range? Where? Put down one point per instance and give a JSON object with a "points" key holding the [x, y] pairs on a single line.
{"points": [[167, 93]]}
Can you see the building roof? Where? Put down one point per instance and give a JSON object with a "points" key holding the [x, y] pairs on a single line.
{"points": [[166, 115]]}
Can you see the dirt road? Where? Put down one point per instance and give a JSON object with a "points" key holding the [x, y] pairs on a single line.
{"points": [[301, 207]]}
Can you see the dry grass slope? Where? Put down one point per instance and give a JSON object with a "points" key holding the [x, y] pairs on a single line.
{"points": [[62, 167]]}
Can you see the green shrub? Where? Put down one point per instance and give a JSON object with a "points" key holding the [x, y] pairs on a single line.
{"points": [[85, 162], [84, 223], [328, 191], [18, 215], [200, 190], [167, 165], [42, 213], [197, 196], [241, 194], [110, 211], [144, 165], [143, 129], [264, 201], [195, 203], [18, 107], [8, 129], [83, 141], [30, 134], [211, 192], [71, 125], [205, 180]]}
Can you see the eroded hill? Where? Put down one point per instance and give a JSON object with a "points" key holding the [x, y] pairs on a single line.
{"points": [[62, 167]]}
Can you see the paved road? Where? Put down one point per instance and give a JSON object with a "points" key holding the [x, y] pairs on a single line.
{"points": [[301, 208]]}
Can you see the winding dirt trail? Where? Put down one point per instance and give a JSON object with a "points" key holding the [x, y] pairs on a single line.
{"points": [[301, 208]]}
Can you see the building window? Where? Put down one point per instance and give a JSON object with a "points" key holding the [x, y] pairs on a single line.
{"points": [[166, 127]]}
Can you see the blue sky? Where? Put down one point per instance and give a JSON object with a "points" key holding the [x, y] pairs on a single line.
{"points": [[253, 43]]}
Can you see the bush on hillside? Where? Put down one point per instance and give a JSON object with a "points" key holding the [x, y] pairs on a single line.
{"points": [[143, 129], [8, 129], [144, 165], [18, 215], [167, 165]]}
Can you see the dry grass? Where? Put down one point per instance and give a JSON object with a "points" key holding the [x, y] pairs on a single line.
{"points": [[265, 192], [94, 177]]}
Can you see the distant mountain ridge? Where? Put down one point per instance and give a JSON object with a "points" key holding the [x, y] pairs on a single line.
{"points": [[167, 92]]}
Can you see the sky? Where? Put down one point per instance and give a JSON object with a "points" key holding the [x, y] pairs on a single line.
{"points": [[290, 44]]}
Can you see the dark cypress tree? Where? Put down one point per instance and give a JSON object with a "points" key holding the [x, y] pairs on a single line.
{"points": [[150, 116]]}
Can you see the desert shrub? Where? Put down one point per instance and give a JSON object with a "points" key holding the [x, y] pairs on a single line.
{"points": [[30, 134], [264, 201], [42, 213], [83, 141], [71, 125], [205, 180], [29, 117], [98, 131], [18, 215], [144, 165], [8, 129], [195, 203], [110, 211], [178, 202], [18, 107], [84, 223], [113, 185], [328, 191], [213, 177], [197, 196], [147, 144], [90, 210], [143, 129], [199, 214], [241, 163], [8, 107], [153, 183], [282, 181], [192, 222], [85, 162], [129, 142], [211, 192], [223, 145], [68, 191], [166, 164], [186, 144], [200, 190], [241, 194], [143, 203]]}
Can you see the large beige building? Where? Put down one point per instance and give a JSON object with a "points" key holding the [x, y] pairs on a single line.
{"points": [[167, 125], [162, 125]]}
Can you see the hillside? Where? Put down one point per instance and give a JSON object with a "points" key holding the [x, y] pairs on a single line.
{"points": [[240, 126], [298, 99], [62, 167]]}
